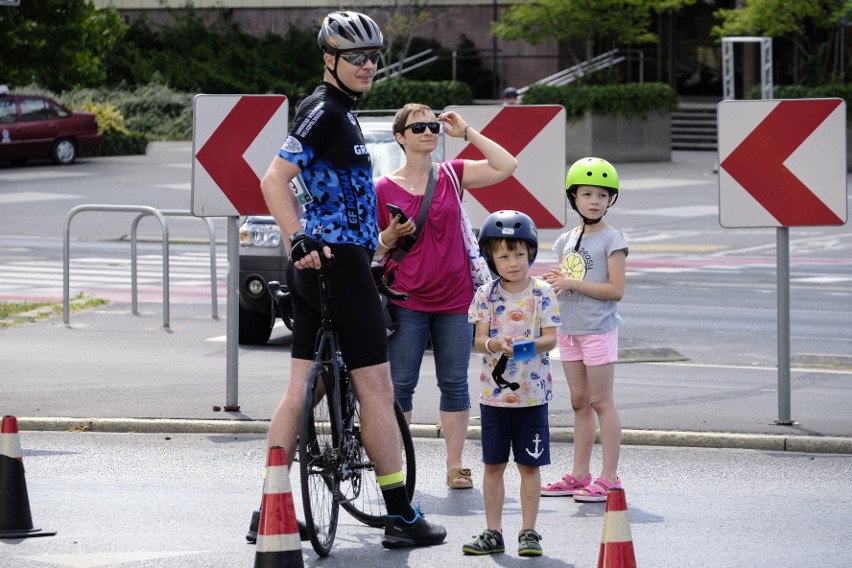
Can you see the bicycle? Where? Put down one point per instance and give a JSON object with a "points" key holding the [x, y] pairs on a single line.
{"points": [[334, 466]]}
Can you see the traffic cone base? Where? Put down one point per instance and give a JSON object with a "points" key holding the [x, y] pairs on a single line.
{"points": [[278, 542], [616, 541], [15, 517]]}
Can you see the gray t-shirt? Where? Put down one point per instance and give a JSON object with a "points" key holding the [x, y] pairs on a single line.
{"points": [[581, 314]]}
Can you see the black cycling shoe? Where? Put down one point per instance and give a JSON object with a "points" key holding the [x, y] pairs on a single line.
{"points": [[400, 533], [251, 536]]}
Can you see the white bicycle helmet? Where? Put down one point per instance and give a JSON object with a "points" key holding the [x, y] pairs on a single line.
{"points": [[348, 31]]}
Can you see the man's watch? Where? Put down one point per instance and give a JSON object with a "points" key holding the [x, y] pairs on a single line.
{"points": [[296, 235]]}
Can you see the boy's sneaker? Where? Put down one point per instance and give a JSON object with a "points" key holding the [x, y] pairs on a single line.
{"points": [[528, 543], [488, 542], [400, 533]]}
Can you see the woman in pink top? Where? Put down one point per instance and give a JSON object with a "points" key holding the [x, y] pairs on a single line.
{"points": [[435, 273]]}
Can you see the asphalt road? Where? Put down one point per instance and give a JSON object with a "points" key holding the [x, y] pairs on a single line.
{"points": [[178, 500]]}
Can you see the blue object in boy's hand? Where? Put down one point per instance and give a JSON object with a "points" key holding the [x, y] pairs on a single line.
{"points": [[523, 350]]}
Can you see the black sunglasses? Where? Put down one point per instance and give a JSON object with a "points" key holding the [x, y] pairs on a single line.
{"points": [[359, 59], [420, 127]]}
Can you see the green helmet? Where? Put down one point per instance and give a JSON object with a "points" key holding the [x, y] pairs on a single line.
{"points": [[591, 171]]}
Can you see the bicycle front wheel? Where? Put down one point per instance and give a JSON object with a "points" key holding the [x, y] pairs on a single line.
{"points": [[319, 461], [361, 495]]}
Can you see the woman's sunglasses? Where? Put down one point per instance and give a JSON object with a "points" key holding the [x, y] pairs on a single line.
{"points": [[359, 59], [420, 127]]}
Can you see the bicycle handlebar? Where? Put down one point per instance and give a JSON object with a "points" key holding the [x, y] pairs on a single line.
{"points": [[378, 270], [280, 292]]}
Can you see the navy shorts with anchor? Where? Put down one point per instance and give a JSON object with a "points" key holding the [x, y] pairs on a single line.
{"points": [[524, 430]]}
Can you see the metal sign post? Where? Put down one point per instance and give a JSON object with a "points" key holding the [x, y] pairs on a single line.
{"points": [[766, 149], [234, 138]]}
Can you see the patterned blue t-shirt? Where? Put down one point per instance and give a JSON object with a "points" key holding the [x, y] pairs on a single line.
{"points": [[326, 143]]}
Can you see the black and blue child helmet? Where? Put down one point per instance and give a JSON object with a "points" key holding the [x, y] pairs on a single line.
{"points": [[508, 224]]}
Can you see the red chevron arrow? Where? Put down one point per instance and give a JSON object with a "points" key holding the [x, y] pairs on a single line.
{"points": [[515, 127], [757, 164], [222, 154]]}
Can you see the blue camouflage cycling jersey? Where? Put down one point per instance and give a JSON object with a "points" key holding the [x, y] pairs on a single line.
{"points": [[326, 143]]}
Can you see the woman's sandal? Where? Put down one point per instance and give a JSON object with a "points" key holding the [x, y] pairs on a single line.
{"points": [[596, 492], [459, 478]]}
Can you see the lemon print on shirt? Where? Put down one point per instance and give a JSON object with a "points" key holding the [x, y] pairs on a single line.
{"points": [[573, 266]]}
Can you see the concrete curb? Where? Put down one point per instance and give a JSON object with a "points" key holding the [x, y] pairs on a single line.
{"points": [[724, 440]]}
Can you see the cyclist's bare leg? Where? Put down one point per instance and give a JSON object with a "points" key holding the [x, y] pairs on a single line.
{"points": [[284, 426], [374, 389]]}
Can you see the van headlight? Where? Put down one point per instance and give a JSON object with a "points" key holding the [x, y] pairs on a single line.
{"points": [[259, 235]]}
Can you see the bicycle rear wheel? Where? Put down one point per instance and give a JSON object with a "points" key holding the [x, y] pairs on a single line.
{"points": [[319, 462], [361, 495]]}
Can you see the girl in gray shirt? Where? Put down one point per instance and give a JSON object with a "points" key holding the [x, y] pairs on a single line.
{"points": [[589, 285]]}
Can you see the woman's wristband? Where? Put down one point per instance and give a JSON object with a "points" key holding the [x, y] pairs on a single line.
{"points": [[465, 132], [382, 243]]}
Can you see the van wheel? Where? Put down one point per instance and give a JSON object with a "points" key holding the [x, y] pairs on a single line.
{"points": [[255, 328]]}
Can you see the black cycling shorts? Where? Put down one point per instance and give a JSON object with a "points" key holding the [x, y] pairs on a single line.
{"points": [[355, 308]]}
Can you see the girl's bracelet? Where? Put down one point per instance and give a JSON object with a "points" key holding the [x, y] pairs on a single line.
{"points": [[382, 243]]}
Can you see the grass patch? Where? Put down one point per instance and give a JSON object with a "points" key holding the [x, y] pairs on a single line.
{"points": [[11, 308], [17, 313]]}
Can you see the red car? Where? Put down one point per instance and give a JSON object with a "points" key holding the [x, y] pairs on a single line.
{"points": [[36, 127]]}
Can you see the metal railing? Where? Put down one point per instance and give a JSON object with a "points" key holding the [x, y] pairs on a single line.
{"points": [[211, 231], [571, 74], [143, 211], [402, 67]]}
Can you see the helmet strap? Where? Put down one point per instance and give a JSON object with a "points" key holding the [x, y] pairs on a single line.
{"points": [[340, 83]]}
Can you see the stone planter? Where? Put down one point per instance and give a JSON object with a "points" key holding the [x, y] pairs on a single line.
{"points": [[620, 139]]}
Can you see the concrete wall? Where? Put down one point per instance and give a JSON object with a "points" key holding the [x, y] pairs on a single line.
{"points": [[619, 139]]}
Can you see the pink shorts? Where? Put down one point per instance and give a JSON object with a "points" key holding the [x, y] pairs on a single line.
{"points": [[592, 350]]}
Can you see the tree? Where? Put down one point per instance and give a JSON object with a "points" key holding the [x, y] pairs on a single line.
{"points": [[59, 44], [625, 22], [812, 26]]}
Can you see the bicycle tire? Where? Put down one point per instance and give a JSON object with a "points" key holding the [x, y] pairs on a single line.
{"points": [[319, 463], [361, 495]]}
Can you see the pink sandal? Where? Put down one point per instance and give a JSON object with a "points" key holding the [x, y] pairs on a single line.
{"points": [[565, 486], [596, 492]]}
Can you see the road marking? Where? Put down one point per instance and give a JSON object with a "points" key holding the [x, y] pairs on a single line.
{"points": [[32, 175], [661, 183], [179, 186], [95, 560], [685, 211], [28, 196], [93, 273]]}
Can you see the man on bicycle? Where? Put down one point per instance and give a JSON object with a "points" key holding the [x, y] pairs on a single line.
{"points": [[326, 148]]}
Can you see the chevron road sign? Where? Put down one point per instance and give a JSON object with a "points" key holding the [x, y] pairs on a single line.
{"points": [[782, 163], [535, 135], [234, 139]]}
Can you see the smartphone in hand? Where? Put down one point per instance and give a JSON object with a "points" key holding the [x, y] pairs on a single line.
{"points": [[396, 211]]}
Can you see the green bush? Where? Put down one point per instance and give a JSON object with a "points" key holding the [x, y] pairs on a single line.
{"points": [[395, 93], [627, 99], [155, 110], [123, 144], [833, 90]]}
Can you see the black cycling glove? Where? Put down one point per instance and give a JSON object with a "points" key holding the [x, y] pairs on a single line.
{"points": [[302, 245]]}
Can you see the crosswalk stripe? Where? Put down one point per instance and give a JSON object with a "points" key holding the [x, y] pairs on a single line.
{"points": [[38, 275]]}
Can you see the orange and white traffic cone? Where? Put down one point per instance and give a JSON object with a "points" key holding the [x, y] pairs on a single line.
{"points": [[278, 542], [16, 521], [616, 542]]}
